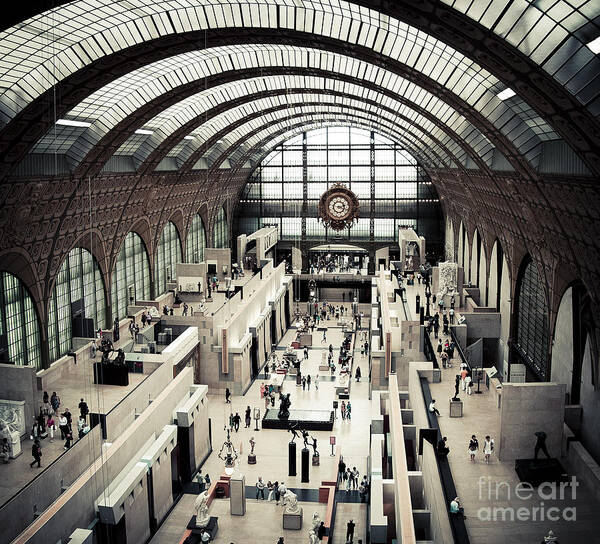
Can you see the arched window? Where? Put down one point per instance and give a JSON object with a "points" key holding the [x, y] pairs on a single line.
{"points": [[195, 241], [78, 290], [532, 339], [131, 275], [19, 328], [221, 230], [168, 254]]}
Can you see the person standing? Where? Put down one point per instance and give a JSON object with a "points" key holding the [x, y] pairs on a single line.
{"points": [[324, 339], [348, 410], [260, 488], [63, 426], [227, 396], [305, 352], [469, 383], [488, 448], [36, 453], [473, 447], [55, 402], [321, 531], [143, 320], [262, 390], [341, 469], [463, 376], [247, 418], [303, 383], [357, 374], [80, 426], [83, 409], [68, 439], [350, 531], [236, 422], [343, 409], [348, 480], [367, 348], [355, 477], [451, 314], [51, 426], [436, 327], [308, 381], [316, 380]]}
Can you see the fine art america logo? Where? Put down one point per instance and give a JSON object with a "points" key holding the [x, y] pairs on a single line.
{"points": [[536, 508]]}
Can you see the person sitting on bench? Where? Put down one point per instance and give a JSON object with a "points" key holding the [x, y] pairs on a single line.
{"points": [[442, 449], [456, 509]]}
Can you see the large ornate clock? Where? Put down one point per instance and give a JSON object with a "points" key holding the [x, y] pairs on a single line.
{"points": [[338, 207]]}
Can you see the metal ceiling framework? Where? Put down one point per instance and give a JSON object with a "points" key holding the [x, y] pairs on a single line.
{"points": [[88, 42]]}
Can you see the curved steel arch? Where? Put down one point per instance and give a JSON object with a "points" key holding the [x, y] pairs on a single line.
{"points": [[70, 96], [464, 32], [285, 108], [161, 151], [111, 141], [428, 158]]}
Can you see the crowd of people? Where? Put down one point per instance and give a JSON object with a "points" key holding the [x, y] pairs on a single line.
{"points": [[50, 419]]}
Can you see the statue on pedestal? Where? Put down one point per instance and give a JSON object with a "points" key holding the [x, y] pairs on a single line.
{"points": [[290, 503], [252, 444], [456, 386], [305, 436], [312, 537], [314, 445], [284, 406], [201, 506], [294, 432]]}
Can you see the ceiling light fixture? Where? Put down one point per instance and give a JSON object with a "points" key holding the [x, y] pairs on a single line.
{"points": [[188, 138], [71, 123], [144, 131], [506, 94], [594, 45]]}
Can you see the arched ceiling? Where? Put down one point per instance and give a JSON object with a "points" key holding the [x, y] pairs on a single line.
{"points": [[184, 71]]}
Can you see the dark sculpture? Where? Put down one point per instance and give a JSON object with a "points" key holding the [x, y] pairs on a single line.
{"points": [[456, 385], [292, 430], [314, 445], [106, 347], [284, 406], [305, 437], [120, 358], [541, 444]]}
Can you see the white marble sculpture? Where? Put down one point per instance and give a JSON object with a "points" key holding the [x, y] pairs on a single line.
{"points": [[312, 537], [344, 378], [448, 279], [12, 413], [316, 521], [201, 506], [290, 502]]}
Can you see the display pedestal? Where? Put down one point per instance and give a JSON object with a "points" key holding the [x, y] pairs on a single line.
{"points": [[292, 521], [237, 496], [305, 466], [456, 408], [292, 459], [251, 459], [212, 527], [316, 460], [538, 471]]}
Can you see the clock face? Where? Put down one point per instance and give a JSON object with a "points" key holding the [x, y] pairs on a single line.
{"points": [[339, 207]]}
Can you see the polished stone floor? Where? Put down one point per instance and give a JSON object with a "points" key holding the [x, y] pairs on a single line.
{"points": [[263, 521], [483, 487]]}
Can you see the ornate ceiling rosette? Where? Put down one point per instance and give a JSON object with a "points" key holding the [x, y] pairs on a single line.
{"points": [[338, 207]]}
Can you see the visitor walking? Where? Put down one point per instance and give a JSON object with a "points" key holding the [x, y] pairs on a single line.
{"points": [[488, 448], [51, 424], [308, 381], [305, 352], [316, 380], [473, 447], [357, 374], [227, 396], [303, 383], [350, 531], [36, 453], [55, 402], [236, 422], [348, 410], [343, 409], [324, 339]]}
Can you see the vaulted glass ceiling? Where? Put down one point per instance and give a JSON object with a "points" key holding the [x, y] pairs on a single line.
{"points": [[451, 111]]}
